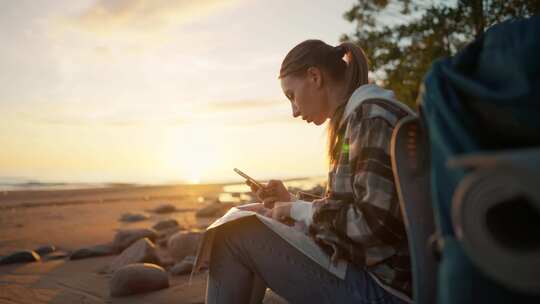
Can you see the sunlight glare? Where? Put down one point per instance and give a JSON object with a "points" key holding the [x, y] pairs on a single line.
{"points": [[194, 179]]}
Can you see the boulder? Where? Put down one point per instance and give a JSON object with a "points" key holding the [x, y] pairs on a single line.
{"points": [[182, 244], [162, 242], [138, 278], [44, 250], [125, 237], [24, 256], [93, 251], [166, 233], [142, 251], [165, 224], [183, 267], [132, 217]]}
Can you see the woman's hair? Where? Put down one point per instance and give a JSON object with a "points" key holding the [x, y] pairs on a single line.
{"points": [[353, 71]]}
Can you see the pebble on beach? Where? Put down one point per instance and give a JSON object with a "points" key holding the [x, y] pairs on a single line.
{"points": [[24, 256], [142, 251], [183, 267], [165, 208], [182, 244], [138, 278], [57, 255], [132, 217], [93, 251], [44, 250], [125, 237]]}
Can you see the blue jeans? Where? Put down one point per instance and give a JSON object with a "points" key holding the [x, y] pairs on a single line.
{"points": [[247, 257]]}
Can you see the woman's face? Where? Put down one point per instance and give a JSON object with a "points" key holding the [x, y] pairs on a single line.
{"points": [[307, 97]]}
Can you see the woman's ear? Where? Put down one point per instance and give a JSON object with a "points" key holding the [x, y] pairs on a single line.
{"points": [[315, 76]]}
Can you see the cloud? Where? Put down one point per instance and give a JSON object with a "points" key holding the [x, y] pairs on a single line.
{"points": [[81, 113], [270, 120], [109, 16], [227, 106], [88, 114], [86, 121]]}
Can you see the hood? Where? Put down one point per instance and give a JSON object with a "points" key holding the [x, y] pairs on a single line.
{"points": [[371, 91]]}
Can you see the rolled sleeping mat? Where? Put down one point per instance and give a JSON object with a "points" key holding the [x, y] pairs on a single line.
{"points": [[528, 159], [496, 216]]}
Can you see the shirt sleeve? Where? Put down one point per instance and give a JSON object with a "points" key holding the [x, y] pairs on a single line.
{"points": [[302, 211], [363, 227]]}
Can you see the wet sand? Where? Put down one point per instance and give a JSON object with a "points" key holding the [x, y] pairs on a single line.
{"points": [[71, 219]]}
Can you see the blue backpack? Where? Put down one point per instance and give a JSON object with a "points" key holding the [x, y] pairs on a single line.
{"points": [[481, 113]]}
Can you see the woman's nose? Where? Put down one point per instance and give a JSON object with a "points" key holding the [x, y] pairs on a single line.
{"points": [[295, 112]]}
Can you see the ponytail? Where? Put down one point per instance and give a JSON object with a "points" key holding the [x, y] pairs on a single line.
{"points": [[346, 62], [356, 75]]}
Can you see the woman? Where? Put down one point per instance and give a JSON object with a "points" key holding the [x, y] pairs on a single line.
{"points": [[359, 219]]}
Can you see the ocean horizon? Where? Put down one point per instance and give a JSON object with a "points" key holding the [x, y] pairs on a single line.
{"points": [[28, 184]]}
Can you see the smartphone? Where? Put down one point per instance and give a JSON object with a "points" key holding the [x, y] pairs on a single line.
{"points": [[249, 178]]}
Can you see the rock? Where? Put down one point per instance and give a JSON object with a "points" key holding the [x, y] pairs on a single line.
{"points": [[142, 251], [24, 256], [125, 237], [182, 244], [93, 251], [57, 255], [164, 224], [138, 278], [162, 242], [166, 208], [44, 250], [132, 217], [164, 236], [183, 267], [214, 210], [166, 233], [165, 260]]}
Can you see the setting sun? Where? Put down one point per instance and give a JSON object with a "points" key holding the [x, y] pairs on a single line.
{"points": [[195, 179]]}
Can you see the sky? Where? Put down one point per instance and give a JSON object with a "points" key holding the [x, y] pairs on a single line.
{"points": [[156, 91]]}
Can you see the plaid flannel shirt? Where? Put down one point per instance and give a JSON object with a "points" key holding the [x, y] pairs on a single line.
{"points": [[360, 218]]}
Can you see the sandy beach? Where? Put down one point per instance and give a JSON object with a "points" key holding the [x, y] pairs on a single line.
{"points": [[71, 219]]}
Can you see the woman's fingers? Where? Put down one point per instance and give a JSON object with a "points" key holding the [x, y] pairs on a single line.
{"points": [[275, 189], [252, 186], [279, 189], [268, 212], [273, 183], [281, 210], [265, 192], [269, 201], [260, 193]]}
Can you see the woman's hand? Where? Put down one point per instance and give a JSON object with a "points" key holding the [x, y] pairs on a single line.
{"points": [[274, 191], [281, 211]]}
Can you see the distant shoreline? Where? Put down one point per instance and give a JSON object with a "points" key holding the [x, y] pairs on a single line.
{"points": [[108, 193], [61, 186]]}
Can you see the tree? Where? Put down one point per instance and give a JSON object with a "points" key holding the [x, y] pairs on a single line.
{"points": [[402, 38]]}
